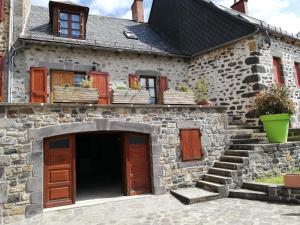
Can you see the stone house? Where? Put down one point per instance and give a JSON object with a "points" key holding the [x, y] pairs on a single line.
{"points": [[53, 153]]}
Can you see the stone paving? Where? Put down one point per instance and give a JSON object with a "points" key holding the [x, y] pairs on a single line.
{"points": [[165, 209]]}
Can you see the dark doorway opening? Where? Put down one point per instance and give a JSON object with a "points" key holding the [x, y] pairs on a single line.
{"points": [[99, 166]]}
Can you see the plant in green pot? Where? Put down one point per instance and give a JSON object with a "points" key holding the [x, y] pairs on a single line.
{"points": [[275, 107]]}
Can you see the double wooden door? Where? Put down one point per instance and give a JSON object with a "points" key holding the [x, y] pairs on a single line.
{"points": [[60, 171]]}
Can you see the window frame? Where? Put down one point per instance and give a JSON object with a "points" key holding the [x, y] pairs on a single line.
{"points": [[147, 86], [278, 71], [297, 73], [190, 157], [69, 22]]}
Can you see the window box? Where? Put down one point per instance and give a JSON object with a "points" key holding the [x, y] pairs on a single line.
{"points": [[172, 97], [75, 94], [131, 96]]}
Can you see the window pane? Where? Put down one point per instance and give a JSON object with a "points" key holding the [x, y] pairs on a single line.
{"points": [[151, 83], [64, 143], [63, 16], [75, 26], [137, 139], [64, 24], [64, 32], [143, 82], [75, 33], [152, 92], [77, 79], [153, 100], [75, 18]]}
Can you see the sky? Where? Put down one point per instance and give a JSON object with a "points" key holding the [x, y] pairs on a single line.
{"points": [[280, 13]]}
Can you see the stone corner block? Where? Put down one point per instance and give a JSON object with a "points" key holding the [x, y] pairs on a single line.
{"points": [[34, 184], [32, 210], [3, 191]]}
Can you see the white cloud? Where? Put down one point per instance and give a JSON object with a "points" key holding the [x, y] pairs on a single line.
{"points": [[278, 13], [46, 2], [109, 6]]}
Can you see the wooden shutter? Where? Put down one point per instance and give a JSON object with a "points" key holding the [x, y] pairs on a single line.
{"points": [[297, 74], [131, 79], [163, 86], [278, 70], [38, 84], [1, 10], [62, 78], [190, 143], [101, 81], [1, 78]]}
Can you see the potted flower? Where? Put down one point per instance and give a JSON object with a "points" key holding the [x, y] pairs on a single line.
{"points": [[182, 96], [275, 107], [292, 180], [201, 93]]}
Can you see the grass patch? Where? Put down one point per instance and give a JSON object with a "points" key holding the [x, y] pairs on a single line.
{"points": [[276, 179]]}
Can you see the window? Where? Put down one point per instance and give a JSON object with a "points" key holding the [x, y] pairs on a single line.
{"points": [[297, 74], [69, 25], [149, 83], [190, 144], [278, 71]]}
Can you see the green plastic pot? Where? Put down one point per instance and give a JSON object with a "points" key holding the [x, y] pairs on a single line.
{"points": [[276, 127]]}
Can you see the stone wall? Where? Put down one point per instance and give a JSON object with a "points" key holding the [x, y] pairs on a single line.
{"points": [[272, 159], [23, 127], [280, 193], [231, 73], [118, 64], [289, 53]]}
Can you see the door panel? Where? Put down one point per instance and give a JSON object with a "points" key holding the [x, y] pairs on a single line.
{"points": [[59, 171], [137, 164]]}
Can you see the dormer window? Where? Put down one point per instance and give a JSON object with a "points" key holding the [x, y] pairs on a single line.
{"points": [[68, 19]]}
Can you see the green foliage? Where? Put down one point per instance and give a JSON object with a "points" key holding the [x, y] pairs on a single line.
{"points": [[121, 88], [86, 82], [183, 88], [201, 90], [277, 179], [274, 100]]}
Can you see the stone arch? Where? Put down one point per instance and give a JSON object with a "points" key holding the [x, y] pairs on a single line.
{"points": [[35, 157]]}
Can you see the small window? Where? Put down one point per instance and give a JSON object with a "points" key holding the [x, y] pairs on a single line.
{"points": [[297, 74], [130, 35], [69, 25], [278, 71], [190, 143], [58, 144]]}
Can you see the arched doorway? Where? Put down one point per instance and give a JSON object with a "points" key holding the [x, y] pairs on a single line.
{"points": [[95, 165]]}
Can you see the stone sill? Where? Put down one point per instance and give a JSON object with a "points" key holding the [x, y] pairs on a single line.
{"points": [[64, 105]]}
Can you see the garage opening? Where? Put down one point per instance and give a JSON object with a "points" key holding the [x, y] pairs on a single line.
{"points": [[99, 166]]}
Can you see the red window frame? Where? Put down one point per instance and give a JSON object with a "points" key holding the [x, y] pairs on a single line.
{"points": [[297, 74], [278, 71]]}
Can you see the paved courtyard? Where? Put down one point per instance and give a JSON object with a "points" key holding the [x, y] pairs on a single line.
{"points": [[165, 209]]}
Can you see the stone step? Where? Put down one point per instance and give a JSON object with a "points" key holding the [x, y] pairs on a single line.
{"points": [[222, 172], [245, 126], [260, 136], [217, 179], [233, 159], [248, 194], [247, 141], [214, 187], [242, 147], [241, 153], [255, 186], [194, 195], [228, 165]]}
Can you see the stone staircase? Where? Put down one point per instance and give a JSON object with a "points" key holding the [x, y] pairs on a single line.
{"points": [[251, 191], [227, 174]]}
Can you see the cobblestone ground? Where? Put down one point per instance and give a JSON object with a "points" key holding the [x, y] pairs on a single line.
{"points": [[156, 210]]}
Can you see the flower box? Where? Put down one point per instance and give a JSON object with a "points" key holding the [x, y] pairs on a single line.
{"points": [[171, 97], [131, 97], [75, 95], [292, 180]]}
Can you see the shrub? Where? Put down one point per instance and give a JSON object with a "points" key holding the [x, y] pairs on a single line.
{"points": [[86, 82], [183, 88], [201, 90], [274, 100]]}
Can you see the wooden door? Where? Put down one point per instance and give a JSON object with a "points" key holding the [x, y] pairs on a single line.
{"points": [[137, 164], [59, 171]]}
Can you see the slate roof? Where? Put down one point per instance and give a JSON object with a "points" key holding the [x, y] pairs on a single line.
{"points": [[104, 32]]}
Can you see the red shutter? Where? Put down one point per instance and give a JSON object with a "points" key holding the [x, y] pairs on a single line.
{"points": [[1, 10], [39, 85], [279, 79], [1, 78], [190, 143], [163, 86], [101, 81], [297, 74], [132, 77]]}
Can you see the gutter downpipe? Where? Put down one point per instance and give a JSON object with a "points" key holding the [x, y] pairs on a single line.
{"points": [[10, 52]]}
